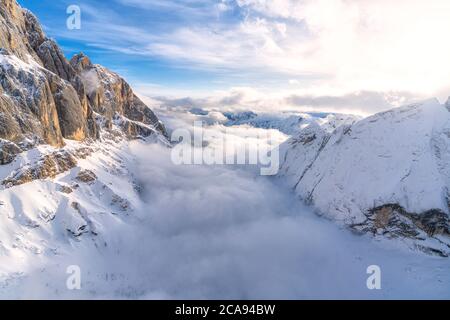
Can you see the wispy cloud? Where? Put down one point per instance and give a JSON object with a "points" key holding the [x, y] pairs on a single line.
{"points": [[245, 99], [339, 45], [198, 8]]}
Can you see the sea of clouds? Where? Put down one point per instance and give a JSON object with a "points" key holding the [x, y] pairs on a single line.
{"points": [[226, 232]]}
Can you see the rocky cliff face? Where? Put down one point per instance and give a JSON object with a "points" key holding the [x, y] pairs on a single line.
{"points": [[44, 98], [111, 97]]}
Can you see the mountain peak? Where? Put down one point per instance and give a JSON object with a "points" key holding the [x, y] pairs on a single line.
{"points": [[80, 62]]}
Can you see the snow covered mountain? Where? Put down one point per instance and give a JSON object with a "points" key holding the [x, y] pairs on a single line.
{"points": [[62, 125], [287, 123], [65, 129], [388, 174], [54, 114]]}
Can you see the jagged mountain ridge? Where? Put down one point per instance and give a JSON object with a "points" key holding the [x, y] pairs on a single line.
{"points": [[44, 98]]}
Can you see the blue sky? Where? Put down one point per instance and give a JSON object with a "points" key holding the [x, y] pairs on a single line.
{"points": [[101, 42], [118, 34], [274, 49]]}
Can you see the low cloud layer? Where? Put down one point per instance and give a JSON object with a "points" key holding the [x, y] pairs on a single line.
{"points": [[240, 99], [365, 102], [218, 232]]}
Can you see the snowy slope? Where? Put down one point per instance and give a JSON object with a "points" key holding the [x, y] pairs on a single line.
{"points": [[148, 229], [378, 172], [41, 215]]}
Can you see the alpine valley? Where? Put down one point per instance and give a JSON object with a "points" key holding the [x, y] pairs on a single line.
{"points": [[86, 180]]}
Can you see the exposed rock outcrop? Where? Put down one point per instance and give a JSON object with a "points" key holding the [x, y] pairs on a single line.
{"points": [[15, 29], [393, 221], [112, 97], [86, 176], [8, 151], [49, 166], [72, 114], [27, 104]]}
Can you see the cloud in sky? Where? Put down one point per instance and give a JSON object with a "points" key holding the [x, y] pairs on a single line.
{"points": [[362, 103], [362, 45], [198, 8], [326, 47]]}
